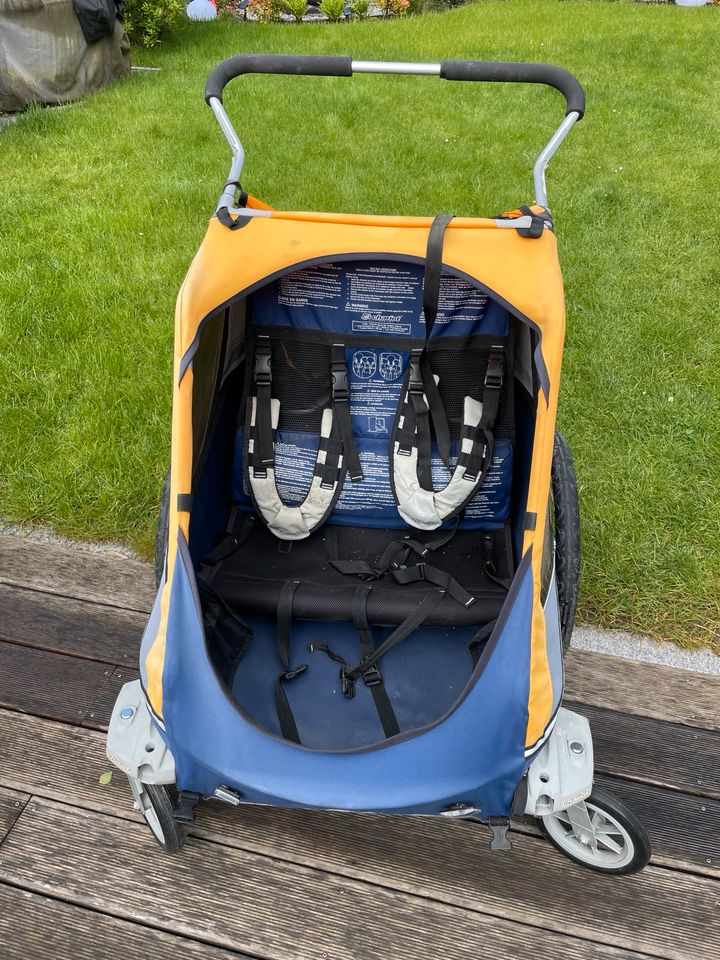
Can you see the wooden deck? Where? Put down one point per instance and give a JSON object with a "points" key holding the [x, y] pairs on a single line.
{"points": [[81, 878]]}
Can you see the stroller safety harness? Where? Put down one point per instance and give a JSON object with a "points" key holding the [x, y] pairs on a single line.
{"points": [[367, 551], [418, 503], [336, 449]]}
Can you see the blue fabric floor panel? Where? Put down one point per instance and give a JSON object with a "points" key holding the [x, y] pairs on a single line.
{"points": [[424, 676]]}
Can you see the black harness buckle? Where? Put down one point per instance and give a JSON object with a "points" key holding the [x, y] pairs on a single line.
{"points": [[347, 684], [495, 373], [415, 382], [293, 672], [263, 369], [372, 676], [340, 390]]}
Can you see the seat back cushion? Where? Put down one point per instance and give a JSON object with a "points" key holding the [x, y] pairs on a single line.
{"points": [[374, 308]]}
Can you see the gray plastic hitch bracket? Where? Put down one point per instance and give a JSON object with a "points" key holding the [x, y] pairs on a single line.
{"points": [[561, 774], [134, 743]]}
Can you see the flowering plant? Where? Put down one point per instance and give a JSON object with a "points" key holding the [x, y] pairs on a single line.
{"points": [[396, 8], [266, 11]]}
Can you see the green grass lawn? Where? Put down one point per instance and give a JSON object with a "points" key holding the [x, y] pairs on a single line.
{"points": [[102, 205]]}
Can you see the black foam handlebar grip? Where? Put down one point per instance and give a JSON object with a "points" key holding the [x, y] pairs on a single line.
{"points": [[545, 73], [274, 63]]}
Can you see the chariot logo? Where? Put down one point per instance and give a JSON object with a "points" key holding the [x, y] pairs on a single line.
{"points": [[390, 366], [381, 317], [364, 364]]}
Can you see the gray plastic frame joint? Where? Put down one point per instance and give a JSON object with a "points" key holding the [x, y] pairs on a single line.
{"points": [[228, 196], [134, 743], [561, 774]]}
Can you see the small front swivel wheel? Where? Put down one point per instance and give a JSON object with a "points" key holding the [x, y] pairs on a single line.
{"points": [[600, 833], [155, 803]]}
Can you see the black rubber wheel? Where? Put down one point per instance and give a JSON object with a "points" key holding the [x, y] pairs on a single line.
{"points": [[616, 843], [161, 535], [566, 530], [157, 803]]}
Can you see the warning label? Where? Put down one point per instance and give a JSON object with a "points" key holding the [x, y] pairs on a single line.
{"points": [[458, 300], [372, 496], [385, 296], [317, 287]]}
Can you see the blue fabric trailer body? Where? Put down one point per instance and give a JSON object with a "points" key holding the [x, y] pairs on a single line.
{"points": [[474, 755]]}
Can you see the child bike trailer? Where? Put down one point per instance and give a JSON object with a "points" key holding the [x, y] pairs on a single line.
{"points": [[368, 547]]}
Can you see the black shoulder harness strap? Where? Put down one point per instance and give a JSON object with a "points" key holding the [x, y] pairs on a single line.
{"points": [[423, 397], [336, 456]]}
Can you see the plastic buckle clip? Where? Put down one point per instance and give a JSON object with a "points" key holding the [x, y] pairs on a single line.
{"points": [[415, 383], [340, 390], [495, 372], [263, 369], [347, 683], [293, 672], [372, 676]]}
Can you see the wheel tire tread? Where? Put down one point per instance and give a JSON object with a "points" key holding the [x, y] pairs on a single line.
{"points": [[608, 802], [164, 807], [566, 507]]}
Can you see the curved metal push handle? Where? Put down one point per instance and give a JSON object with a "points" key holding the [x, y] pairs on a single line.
{"points": [[488, 71], [243, 63], [484, 71]]}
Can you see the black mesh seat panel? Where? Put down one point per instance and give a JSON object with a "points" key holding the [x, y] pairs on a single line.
{"points": [[251, 578]]}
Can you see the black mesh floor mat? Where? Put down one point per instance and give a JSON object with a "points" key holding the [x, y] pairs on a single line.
{"points": [[251, 578]]}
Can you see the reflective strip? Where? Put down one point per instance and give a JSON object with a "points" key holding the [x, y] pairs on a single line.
{"points": [[428, 509], [296, 522], [529, 751]]}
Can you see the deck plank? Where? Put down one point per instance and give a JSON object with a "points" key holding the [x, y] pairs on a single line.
{"points": [[685, 829], [34, 926], [72, 572], [11, 806], [65, 764], [64, 625], [49, 684], [644, 689], [59, 761], [258, 905], [653, 751], [97, 716]]}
